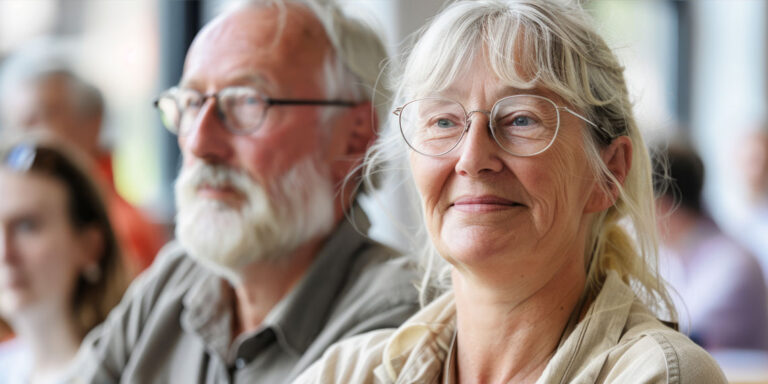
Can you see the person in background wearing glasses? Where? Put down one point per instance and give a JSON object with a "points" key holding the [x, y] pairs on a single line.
{"points": [[273, 112], [60, 266], [537, 197]]}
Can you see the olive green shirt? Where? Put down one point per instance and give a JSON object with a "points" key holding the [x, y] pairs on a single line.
{"points": [[175, 323]]}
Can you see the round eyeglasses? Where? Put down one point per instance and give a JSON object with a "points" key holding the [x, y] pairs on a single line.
{"points": [[243, 109], [522, 125]]}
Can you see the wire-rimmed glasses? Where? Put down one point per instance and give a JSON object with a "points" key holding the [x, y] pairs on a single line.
{"points": [[522, 125], [243, 109]]}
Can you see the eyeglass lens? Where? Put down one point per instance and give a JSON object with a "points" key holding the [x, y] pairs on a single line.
{"points": [[242, 109], [522, 125]]}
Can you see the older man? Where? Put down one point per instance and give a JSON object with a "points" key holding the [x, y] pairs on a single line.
{"points": [[273, 112]]}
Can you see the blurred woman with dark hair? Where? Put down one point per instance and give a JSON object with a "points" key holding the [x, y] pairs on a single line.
{"points": [[60, 266]]}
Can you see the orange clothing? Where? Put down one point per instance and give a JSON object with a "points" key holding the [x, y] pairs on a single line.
{"points": [[140, 239]]}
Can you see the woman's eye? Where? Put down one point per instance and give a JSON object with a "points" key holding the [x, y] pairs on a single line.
{"points": [[27, 225], [444, 123], [522, 121]]}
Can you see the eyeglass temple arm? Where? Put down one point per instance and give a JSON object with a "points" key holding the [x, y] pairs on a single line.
{"points": [[340, 103], [579, 116]]}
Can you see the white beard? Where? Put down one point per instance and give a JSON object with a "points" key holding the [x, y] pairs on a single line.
{"points": [[266, 227]]}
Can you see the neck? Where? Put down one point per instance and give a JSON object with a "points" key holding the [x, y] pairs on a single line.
{"points": [[52, 337], [264, 284], [510, 334]]}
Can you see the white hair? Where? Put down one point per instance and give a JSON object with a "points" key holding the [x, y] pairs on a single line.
{"points": [[43, 59], [549, 44], [353, 70], [272, 222]]}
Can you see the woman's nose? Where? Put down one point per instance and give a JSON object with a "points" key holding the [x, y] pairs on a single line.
{"points": [[479, 152]]}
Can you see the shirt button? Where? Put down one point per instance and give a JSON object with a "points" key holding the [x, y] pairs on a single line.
{"points": [[240, 363]]}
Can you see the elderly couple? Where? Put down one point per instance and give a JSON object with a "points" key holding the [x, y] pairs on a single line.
{"points": [[541, 247]]}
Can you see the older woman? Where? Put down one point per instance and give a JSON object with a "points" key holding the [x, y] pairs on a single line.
{"points": [[60, 269], [536, 189]]}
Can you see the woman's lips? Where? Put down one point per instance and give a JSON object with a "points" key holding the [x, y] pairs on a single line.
{"points": [[483, 204]]}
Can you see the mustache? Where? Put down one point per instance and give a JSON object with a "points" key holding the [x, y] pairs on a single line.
{"points": [[214, 175]]}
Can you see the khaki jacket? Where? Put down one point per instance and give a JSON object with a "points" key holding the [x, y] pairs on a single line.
{"points": [[618, 341]]}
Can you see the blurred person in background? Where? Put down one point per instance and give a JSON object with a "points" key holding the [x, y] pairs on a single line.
{"points": [[40, 91], [60, 266], [273, 112], [753, 229], [721, 291]]}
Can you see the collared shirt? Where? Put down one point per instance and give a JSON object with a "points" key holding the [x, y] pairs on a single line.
{"points": [[175, 323], [617, 341]]}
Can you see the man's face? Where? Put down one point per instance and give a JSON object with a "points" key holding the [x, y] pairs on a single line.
{"points": [[278, 181], [49, 104], [243, 50]]}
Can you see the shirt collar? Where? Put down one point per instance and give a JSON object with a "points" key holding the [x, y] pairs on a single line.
{"points": [[428, 336], [300, 315]]}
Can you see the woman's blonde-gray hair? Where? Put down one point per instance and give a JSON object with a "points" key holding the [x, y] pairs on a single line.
{"points": [[549, 44]]}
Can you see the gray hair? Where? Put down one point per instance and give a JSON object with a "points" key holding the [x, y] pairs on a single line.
{"points": [[45, 59], [537, 43], [359, 53]]}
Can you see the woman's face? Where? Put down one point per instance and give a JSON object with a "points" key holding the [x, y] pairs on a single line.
{"points": [[41, 254], [486, 209]]}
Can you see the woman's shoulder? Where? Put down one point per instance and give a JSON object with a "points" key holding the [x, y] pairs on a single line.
{"points": [[352, 360], [388, 354], [651, 352]]}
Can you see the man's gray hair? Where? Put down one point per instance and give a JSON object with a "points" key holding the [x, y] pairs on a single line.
{"points": [[360, 55], [44, 59]]}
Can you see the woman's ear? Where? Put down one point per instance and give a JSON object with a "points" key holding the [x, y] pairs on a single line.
{"points": [[617, 157], [92, 245]]}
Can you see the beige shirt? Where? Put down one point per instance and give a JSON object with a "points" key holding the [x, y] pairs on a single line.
{"points": [[618, 341], [174, 324]]}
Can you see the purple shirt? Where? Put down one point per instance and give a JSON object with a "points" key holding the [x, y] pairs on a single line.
{"points": [[722, 287]]}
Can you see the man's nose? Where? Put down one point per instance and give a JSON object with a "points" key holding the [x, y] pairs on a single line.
{"points": [[479, 152], [208, 137]]}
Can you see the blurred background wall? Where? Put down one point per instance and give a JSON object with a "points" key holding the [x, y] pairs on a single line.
{"points": [[696, 69]]}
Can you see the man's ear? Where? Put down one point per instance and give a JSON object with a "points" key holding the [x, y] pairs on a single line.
{"points": [[617, 157], [358, 136]]}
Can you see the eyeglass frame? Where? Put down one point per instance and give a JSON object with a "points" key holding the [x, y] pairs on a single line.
{"points": [[398, 112], [268, 101]]}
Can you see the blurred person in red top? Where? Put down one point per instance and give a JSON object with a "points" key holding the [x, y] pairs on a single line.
{"points": [[41, 91]]}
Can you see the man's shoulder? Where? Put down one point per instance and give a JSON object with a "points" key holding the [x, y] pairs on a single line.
{"points": [[173, 272], [383, 276]]}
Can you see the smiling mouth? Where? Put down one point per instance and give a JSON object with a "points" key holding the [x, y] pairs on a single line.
{"points": [[484, 204]]}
